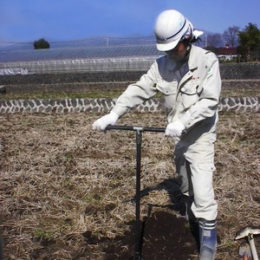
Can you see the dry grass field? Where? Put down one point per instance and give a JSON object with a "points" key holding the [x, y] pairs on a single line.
{"points": [[67, 192]]}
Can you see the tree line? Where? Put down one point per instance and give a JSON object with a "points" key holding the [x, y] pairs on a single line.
{"points": [[246, 41]]}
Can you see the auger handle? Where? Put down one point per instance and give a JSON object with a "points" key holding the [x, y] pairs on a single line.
{"points": [[136, 128]]}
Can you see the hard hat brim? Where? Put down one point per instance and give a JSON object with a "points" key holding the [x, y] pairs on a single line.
{"points": [[167, 46]]}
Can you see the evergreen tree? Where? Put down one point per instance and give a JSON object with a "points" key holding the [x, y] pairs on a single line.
{"points": [[41, 44], [249, 43]]}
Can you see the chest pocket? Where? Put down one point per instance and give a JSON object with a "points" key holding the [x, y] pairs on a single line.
{"points": [[169, 91], [167, 88], [190, 93]]}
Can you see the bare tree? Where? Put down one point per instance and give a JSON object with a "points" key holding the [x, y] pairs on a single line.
{"points": [[214, 40], [231, 36]]}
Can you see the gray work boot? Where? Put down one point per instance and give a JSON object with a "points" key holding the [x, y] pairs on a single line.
{"points": [[208, 239]]}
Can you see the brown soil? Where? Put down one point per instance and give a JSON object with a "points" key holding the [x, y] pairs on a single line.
{"points": [[67, 192], [165, 236]]}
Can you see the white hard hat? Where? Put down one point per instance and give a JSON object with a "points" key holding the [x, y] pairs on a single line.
{"points": [[170, 27]]}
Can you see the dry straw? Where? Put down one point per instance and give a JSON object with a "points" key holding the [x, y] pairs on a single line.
{"points": [[67, 192]]}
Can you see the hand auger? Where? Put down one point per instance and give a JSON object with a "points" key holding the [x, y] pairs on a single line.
{"points": [[139, 130]]}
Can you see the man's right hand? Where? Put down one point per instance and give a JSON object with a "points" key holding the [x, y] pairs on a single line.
{"points": [[104, 121]]}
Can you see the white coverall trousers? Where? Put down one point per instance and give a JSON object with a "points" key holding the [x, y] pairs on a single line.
{"points": [[194, 160]]}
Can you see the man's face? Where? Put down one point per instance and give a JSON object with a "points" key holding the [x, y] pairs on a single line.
{"points": [[178, 53]]}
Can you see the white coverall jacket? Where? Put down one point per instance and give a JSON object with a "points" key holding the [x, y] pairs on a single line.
{"points": [[191, 95]]}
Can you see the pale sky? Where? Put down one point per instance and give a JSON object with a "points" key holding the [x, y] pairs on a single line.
{"points": [[54, 20]]}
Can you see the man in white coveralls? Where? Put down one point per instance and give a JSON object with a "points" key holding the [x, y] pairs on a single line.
{"points": [[189, 78]]}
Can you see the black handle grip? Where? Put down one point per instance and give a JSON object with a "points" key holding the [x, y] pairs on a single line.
{"points": [[135, 128]]}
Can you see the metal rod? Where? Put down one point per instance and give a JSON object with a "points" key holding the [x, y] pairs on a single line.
{"points": [[138, 248], [253, 248], [135, 128], [138, 130]]}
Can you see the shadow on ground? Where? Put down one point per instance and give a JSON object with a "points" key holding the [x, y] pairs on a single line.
{"points": [[165, 235]]}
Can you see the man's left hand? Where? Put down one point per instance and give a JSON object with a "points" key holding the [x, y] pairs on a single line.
{"points": [[174, 129]]}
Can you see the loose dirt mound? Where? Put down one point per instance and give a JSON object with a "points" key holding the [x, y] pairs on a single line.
{"points": [[67, 192]]}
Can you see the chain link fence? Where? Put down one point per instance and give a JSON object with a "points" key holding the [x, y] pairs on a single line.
{"points": [[77, 65], [109, 65], [106, 58], [100, 59]]}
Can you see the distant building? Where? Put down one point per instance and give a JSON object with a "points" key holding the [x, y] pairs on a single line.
{"points": [[226, 53]]}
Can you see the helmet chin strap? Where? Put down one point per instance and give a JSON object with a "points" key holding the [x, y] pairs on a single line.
{"points": [[187, 54], [187, 44], [188, 48]]}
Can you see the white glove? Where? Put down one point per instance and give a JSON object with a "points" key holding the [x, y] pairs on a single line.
{"points": [[104, 121], [174, 129]]}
